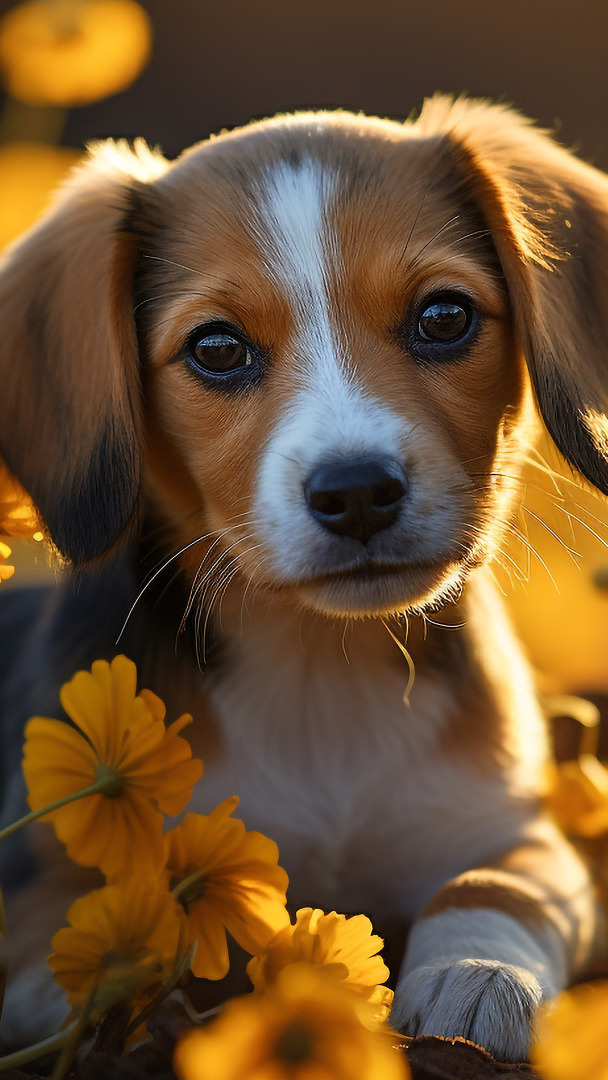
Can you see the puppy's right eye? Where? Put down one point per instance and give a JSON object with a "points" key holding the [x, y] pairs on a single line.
{"points": [[220, 353]]}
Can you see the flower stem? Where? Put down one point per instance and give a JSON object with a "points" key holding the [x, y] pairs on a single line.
{"points": [[75, 1033], [182, 886], [98, 788], [38, 1050], [166, 989], [35, 123]]}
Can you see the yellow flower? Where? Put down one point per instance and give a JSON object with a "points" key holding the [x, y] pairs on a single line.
{"points": [[6, 572], [120, 740], [72, 52], [29, 173], [232, 882], [344, 948], [122, 940], [578, 796], [305, 1027], [570, 1039], [18, 515]]}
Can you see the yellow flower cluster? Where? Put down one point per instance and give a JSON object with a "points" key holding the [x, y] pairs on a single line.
{"points": [[104, 781], [319, 1006]]}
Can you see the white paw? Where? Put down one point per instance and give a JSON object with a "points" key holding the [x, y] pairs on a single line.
{"points": [[34, 1007], [490, 1003]]}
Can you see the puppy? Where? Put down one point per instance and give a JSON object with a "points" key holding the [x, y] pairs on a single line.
{"points": [[301, 367]]}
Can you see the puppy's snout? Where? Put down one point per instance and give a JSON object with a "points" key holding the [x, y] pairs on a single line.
{"points": [[356, 499]]}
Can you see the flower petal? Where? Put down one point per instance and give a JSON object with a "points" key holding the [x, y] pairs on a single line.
{"points": [[205, 927]]}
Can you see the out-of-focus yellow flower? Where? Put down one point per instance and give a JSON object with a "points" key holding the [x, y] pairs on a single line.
{"points": [[560, 513], [72, 52], [343, 948], [570, 1039], [29, 173], [119, 741], [304, 1027], [122, 940], [231, 881], [578, 796], [6, 571], [18, 515]]}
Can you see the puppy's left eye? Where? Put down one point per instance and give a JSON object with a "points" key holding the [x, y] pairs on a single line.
{"points": [[445, 319], [442, 327]]}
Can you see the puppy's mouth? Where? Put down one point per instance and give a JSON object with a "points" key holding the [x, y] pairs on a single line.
{"points": [[380, 588], [369, 571]]}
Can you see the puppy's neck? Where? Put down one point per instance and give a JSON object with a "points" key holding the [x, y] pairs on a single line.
{"points": [[282, 667], [269, 626]]}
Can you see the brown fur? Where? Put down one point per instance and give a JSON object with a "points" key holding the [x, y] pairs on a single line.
{"points": [[484, 889]]}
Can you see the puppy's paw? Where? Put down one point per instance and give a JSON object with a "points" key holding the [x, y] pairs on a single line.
{"points": [[490, 1003], [34, 1007]]}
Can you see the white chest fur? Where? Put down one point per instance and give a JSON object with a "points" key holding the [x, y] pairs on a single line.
{"points": [[329, 761]]}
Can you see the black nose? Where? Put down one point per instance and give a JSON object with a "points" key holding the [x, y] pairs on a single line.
{"points": [[357, 499]]}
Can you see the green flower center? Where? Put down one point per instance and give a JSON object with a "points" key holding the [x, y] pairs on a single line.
{"points": [[295, 1044], [113, 782]]}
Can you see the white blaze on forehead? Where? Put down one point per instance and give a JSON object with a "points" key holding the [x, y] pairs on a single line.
{"points": [[331, 416], [300, 249]]}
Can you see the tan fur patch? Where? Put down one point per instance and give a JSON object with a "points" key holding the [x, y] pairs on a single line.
{"points": [[521, 900]]}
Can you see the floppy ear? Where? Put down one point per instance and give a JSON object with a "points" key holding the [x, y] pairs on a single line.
{"points": [[70, 423], [548, 215]]}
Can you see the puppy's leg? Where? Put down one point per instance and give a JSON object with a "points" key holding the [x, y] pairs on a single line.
{"points": [[496, 942]]}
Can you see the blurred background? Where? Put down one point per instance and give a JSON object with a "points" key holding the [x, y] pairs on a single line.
{"points": [[176, 70]]}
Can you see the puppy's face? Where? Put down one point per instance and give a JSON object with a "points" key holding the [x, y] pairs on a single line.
{"points": [[332, 365], [331, 320]]}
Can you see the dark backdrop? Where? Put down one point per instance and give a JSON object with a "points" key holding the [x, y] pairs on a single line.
{"points": [[216, 64]]}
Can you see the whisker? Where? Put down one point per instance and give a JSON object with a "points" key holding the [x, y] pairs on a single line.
{"points": [[497, 582], [573, 517], [286, 456], [414, 224], [498, 551], [472, 235], [200, 588], [408, 659], [555, 536], [169, 295], [196, 584], [412, 265], [165, 564], [525, 541], [172, 262]]}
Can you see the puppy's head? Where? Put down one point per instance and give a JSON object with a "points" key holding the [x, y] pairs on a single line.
{"points": [[315, 340]]}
